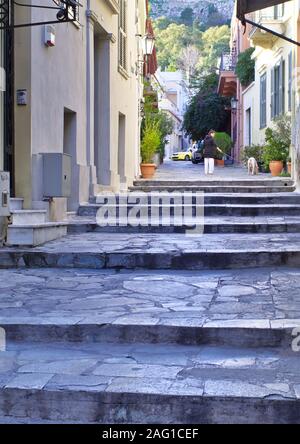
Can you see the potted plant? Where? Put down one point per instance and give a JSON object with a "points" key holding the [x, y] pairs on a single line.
{"points": [[223, 142], [220, 160], [149, 146], [275, 152]]}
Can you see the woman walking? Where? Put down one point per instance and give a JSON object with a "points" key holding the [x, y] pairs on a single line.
{"points": [[210, 152]]}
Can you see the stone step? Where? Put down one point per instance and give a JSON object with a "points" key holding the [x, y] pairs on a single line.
{"points": [[211, 225], [16, 203], [212, 182], [228, 308], [242, 210], [126, 383], [209, 198], [192, 251], [35, 234], [28, 217], [251, 333], [214, 189]]}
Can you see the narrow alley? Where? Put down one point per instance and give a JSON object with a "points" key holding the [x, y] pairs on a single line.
{"points": [[151, 323], [149, 213]]}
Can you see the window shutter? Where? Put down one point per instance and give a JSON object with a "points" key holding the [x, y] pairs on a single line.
{"points": [[263, 101], [123, 34], [281, 87], [273, 93], [290, 80]]}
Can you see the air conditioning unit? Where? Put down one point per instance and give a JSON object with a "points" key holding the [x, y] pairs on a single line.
{"points": [[4, 194]]}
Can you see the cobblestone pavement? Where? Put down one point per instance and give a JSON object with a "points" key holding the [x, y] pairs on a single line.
{"points": [[114, 383], [176, 243], [261, 298], [187, 171], [153, 369]]}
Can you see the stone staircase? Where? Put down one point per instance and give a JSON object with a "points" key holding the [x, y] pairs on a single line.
{"points": [[126, 324], [31, 227], [236, 206]]}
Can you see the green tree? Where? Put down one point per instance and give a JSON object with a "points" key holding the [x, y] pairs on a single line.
{"points": [[162, 23], [169, 44], [206, 109], [245, 68], [187, 16], [215, 41]]}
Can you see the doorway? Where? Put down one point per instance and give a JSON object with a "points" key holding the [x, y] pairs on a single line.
{"points": [[7, 97], [70, 148], [102, 109], [121, 148], [248, 132]]}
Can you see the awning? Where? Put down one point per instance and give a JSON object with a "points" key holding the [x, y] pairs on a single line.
{"points": [[246, 6]]}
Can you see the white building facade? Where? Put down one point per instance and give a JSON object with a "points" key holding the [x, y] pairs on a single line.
{"points": [[173, 99]]}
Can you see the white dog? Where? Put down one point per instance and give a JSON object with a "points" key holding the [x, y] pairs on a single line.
{"points": [[253, 166]]}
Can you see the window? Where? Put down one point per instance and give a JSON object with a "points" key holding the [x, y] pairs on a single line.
{"points": [[278, 11], [123, 35], [263, 101], [290, 87], [278, 89]]}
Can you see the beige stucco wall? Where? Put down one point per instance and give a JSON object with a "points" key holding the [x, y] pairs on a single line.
{"points": [[265, 60], [61, 80]]}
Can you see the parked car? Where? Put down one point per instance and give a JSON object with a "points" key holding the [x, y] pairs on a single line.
{"points": [[198, 154], [197, 157], [183, 155]]}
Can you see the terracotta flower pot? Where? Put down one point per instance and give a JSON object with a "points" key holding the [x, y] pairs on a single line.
{"points": [[289, 165], [276, 168], [220, 163], [148, 170]]}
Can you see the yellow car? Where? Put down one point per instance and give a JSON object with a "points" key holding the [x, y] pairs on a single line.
{"points": [[183, 155]]}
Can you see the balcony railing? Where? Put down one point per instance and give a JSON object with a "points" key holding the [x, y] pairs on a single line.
{"points": [[270, 14], [228, 62]]}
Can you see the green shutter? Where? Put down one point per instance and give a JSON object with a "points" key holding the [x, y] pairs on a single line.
{"points": [[281, 87], [273, 93], [290, 80], [263, 101]]}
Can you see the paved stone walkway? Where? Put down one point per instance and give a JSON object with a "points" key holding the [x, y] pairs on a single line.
{"points": [[187, 171], [159, 369], [160, 243], [261, 298]]}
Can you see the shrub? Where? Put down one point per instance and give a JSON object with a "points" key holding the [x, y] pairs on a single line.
{"points": [[255, 151], [278, 141], [150, 142], [245, 67], [165, 126], [224, 142]]}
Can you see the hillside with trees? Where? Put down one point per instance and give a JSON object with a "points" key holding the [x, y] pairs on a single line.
{"points": [[207, 12], [192, 40]]}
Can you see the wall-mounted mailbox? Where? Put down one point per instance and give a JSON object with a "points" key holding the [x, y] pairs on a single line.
{"points": [[4, 194], [57, 175]]}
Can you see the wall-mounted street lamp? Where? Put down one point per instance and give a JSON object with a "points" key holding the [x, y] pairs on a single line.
{"points": [[149, 42], [64, 10], [234, 104]]}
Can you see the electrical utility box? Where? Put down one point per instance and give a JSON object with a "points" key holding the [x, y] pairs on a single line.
{"points": [[57, 175], [4, 194]]}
